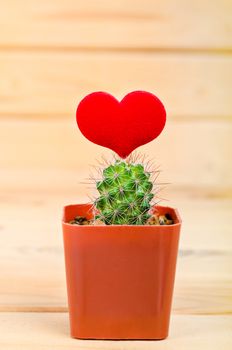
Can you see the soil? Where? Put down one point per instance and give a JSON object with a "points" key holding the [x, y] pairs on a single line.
{"points": [[155, 219]]}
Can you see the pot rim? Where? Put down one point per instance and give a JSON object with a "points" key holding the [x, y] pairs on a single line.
{"points": [[177, 223]]}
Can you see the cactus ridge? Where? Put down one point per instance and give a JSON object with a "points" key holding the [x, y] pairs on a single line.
{"points": [[124, 194]]}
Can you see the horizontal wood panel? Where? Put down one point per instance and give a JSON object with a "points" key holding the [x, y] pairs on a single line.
{"points": [[32, 239], [189, 154], [45, 331], [44, 84], [121, 24]]}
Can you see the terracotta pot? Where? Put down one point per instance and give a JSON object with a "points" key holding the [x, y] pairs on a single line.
{"points": [[119, 278]]}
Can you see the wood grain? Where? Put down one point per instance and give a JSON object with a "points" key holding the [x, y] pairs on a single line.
{"points": [[46, 85], [52, 53], [23, 330], [92, 24], [198, 158]]}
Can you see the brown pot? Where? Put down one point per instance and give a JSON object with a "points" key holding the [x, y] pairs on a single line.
{"points": [[119, 278]]}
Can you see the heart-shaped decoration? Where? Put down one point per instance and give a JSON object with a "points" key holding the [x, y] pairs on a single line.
{"points": [[121, 126]]}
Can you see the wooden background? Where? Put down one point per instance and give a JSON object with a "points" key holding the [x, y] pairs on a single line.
{"points": [[52, 53]]}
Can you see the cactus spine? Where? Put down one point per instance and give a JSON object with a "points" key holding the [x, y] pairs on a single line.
{"points": [[125, 194]]}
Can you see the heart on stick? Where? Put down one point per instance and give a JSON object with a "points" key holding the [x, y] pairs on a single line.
{"points": [[121, 126]]}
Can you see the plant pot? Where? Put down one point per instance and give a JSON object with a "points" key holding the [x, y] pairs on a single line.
{"points": [[119, 278]]}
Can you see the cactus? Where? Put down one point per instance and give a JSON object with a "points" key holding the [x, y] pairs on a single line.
{"points": [[125, 194]]}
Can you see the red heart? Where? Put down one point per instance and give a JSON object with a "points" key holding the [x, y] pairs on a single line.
{"points": [[121, 126]]}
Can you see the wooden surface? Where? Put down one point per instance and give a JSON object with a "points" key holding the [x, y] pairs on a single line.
{"points": [[50, 84], [52, 53], [122, 24], [208, 333]]}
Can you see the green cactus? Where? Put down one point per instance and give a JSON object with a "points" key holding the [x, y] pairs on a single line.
{"points": [[125, 194]]}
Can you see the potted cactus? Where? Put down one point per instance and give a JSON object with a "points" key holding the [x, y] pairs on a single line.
{"points": [[121, 249]]}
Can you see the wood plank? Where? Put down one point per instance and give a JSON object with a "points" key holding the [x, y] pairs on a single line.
{"points": [[43, 331], [121, 24], [44, 84], [190, 154], [32, 240]]}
